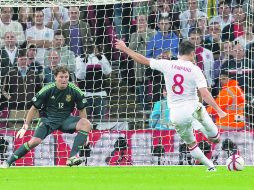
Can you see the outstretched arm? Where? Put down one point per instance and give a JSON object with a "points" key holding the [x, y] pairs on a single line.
{"points": [[30, 115], [134, 55]]}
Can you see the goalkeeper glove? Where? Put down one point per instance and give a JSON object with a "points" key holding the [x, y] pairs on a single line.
{"points": [[20, 134]]}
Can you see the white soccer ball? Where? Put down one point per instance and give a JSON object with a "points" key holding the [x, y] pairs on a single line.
{"points": [[235, 163]]}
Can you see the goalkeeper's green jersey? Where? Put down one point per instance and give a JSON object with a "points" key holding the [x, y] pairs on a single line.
{"points": [[56, 105]]}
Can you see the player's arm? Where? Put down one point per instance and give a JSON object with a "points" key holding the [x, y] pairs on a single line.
{"points": [[82, 113], [134, 55], [81, 103], [30, 115], [207, 97]]}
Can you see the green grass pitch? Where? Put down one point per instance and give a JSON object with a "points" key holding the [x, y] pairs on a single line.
{"points": [[129, 178]]}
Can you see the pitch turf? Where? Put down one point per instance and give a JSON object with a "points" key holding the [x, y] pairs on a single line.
{"points": [[129, 178]]}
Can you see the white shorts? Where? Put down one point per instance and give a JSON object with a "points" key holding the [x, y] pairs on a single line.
{"points": [[189, 117]]}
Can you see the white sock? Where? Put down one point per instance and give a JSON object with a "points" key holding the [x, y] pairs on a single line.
{"points": [[199, 155]]}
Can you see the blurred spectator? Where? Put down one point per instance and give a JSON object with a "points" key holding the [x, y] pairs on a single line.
{"points": [[204, 57], [67, 57], [122, 12], [248, 37], [241, 69], [21, 84], [226, 51], [206, 148], [163, 8], [158, 153], [91, 72], [118, 11], [3, 148], [213, 39], [8, 54], [166, 55], [235, 29], [8, 25], [25, 17], [31, 51], [159, 118], [238, 2], [250, 52], [76, 32], [184, 154], [248, 7], [201, 24], [138, 42], [141, 8], [188, 18], [54, 60], [182, 5], [224, 17], [230, 147], [40, 35], [163, 40], [119, 156], [55, 16], [231, 100]]}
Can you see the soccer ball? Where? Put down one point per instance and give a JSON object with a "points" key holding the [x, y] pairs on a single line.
{"points": [[235, 163]]}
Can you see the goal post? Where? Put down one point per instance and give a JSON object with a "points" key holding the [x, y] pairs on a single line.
{"points": [[127, 102]]}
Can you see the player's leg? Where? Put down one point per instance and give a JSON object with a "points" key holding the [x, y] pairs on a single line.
{"points": [[40, 133], [82, 126], [209, 129], [186, 133], [183, 125]]}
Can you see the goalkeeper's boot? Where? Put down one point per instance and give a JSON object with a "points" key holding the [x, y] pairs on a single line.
{"points": [[4, 165], [73, 161], [212, 169]]}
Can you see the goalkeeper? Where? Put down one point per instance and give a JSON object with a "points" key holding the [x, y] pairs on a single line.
{"points": [[56, 101]]}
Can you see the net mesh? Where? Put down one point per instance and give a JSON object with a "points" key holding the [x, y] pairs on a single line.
{"points": [[127, 106]]}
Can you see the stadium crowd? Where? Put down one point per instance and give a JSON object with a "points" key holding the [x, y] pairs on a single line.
{"points": [[35, 40]]}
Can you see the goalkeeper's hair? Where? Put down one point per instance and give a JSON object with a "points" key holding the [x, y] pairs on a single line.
{"points": [[62, 69], [186, 48]]}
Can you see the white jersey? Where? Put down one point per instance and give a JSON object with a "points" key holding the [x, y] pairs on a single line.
{"points": [[182, 79], [40, 34]]}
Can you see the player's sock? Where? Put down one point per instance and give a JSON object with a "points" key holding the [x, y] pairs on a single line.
{"points": [[199, 155], [79, 141], [215, 138], [20, 152]]}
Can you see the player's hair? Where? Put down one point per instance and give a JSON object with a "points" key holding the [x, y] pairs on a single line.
{"points": [[62, 69], [186, 48]]}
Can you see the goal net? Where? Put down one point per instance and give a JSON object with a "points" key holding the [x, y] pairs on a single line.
{"points": [[126, 101]]}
